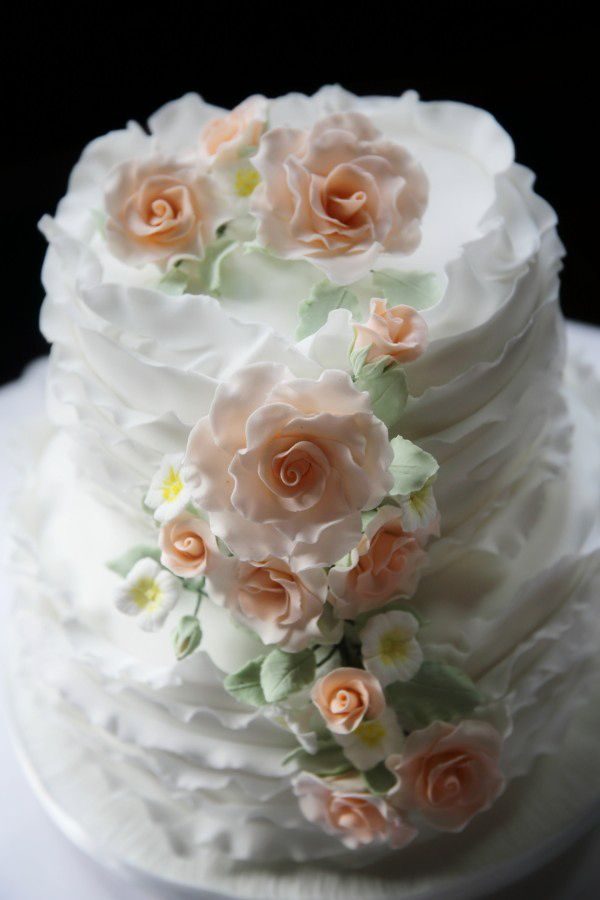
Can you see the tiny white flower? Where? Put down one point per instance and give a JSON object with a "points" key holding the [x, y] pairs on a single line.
{"points": [[419, 510], [372, 741], [389, 648], [169, 493], [149, 592]]}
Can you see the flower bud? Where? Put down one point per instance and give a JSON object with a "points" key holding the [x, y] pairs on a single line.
{"points": [[187, 636]]}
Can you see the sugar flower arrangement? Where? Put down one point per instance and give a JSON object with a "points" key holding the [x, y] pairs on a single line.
{"points": [[297, 505]]}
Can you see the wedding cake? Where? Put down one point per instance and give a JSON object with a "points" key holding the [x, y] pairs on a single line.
{"points": [[308, 547]]}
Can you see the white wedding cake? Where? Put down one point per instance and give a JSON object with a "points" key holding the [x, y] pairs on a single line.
{"points": [[308, 547]]}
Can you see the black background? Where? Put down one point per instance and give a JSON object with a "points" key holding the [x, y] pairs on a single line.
{"points": [[71, 77]]}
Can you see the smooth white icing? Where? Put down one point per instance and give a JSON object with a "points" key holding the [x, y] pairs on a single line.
{"points": [[510, 583]]}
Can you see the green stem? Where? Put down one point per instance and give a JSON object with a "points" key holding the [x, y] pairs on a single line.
{"points": [[328, 657]]}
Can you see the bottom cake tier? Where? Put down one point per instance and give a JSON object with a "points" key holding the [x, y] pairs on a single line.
{"points": [[155, 769]]}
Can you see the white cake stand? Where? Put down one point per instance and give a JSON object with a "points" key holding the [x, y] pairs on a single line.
{"points": [[536, 818]]}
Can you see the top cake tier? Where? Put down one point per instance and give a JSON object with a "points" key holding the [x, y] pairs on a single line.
{"points": [[148, 317]]}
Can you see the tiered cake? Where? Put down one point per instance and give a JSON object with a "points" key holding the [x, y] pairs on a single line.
{"points": [[309, 547]]}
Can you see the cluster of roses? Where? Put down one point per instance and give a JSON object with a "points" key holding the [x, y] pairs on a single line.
{"points": [[292, 508], [335, 195]]}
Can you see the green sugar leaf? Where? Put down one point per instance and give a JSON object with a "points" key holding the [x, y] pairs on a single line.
{"points": [[245, 686], [411, 467], [323, 298], [284, 673], [437, 691], [417, 289], [385, 382]]}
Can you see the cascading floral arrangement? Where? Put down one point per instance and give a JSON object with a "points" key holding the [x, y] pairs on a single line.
{"points": [[297, 505]]}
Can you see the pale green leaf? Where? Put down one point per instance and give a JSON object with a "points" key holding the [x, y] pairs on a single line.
{"points": [[411, 467], [385, 382], [437, 691], [124, 564], [244, 685], [174, 282], [323, 298], [358, 359], [284, 673], [328, 760], [417, 289], [199, 276], [379, 780]]}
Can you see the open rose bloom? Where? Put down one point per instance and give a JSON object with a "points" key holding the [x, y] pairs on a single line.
{"points": [[448, 773], [338, 195], [343, 808], [346, 696], [158, 209], [284, 466], [188, 546], [386, 564], [282, 606]]}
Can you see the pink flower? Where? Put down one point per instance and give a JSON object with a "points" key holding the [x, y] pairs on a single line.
{"points": [[338, 195], [342, 807], [448, 772], [157, 209], [228, 137], [346, 696], [187, 545], [285, 465], [386, 563], [399, 332], [280, 605]]}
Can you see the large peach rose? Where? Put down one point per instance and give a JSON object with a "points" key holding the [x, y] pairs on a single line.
{"points": [[342, 807], [187, 546], [346, 696], [228, 137], [399, 332], [386, 563], [448, 772], [284, 465], [280, 605], [338, 195], [158, 208]]}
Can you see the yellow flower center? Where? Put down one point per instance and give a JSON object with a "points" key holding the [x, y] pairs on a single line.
{"points": [[146, 593], [370, 733], [393, 647], [172, 485], [245, 181]]}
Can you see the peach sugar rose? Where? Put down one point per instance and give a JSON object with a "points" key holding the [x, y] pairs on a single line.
{"points": [[448, 772], [387, 563], [346, 696], [399, 332], [285, 465], [280, 605], [342, 807], [188, 546], [228, 137], [338, 195], [158, 208]]}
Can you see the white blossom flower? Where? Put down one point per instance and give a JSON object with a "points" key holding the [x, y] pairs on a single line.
{"points": [[419, 510], [169, 492], [389, 648], [149, 592], [372, 741]]}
